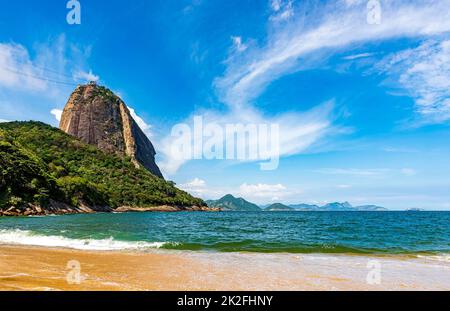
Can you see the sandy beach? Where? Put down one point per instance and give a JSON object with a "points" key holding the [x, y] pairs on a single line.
{"points": [[33, 268]]}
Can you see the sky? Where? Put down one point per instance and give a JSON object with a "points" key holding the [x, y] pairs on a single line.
{"points": [[359, 89]]}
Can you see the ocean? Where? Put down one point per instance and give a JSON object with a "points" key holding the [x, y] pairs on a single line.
{"points": [[425, 233]]}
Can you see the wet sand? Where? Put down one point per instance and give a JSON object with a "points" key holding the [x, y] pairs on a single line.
{"points": [[33, 268]]}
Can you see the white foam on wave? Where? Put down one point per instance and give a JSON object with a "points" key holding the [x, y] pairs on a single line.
{"points": [[24, 237], [441, 257]]}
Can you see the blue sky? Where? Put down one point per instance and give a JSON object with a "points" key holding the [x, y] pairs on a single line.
{"points": [[363, 106]]}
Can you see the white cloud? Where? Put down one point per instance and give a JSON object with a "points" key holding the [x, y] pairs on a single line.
{"points": [[259, 193], [118, 94], [358, 56], [238, 45], [196, 183], [297, 131], [17, 69], [4, 121], [146, 128], [276, 5], [264, 193], [37, 75], [399, 150], [408, 172], [283, 9], [198, 187], [57, 113], [354, 2], [353, 171], [424, 72], [319, 31], [344, 186], [86, 76], [375, 172], [332, 28], [261, 190], [192, 6], [47, 72]]}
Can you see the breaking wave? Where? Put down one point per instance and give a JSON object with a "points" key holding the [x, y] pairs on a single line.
{"points": [[25, 237]]}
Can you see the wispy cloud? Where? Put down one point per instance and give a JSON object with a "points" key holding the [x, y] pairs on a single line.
{"points": [[57, 113], [49, 70], [297, 131], [368, 172], [85, 76], [146, 128], [238, 44], [353, 171], [276, 5], [311, 35], [357, 56], [327, 29], [17, 69], [263, 192], [344, 186], [408, 171], [283, 9], [43, 72], [424, 72], [259, 193], [399, 150], [198, 187], [353, 2], [192, 6]]}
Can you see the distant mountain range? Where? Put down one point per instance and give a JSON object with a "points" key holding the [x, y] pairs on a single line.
{"points": [[278, 207], [230, 203], [337, 207]]}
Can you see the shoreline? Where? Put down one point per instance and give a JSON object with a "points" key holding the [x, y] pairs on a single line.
{"points": [[45, 268], [60, 209]]}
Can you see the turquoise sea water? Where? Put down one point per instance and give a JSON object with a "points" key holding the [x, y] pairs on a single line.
{"points": [[292, 232]]}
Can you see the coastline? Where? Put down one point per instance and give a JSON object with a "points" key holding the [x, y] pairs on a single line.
{"points": [[58, 209], [44, 268]]}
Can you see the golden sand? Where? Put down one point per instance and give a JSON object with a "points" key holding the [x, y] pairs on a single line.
{"points": [[29, 268]]}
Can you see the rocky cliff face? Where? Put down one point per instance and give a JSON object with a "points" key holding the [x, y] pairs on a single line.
{"points": [[98, 117]]}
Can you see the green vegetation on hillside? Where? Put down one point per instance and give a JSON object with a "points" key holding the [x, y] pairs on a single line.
{"points": [[232, 204], [105, 93], [39, 163]]}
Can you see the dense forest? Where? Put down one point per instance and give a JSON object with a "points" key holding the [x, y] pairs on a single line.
{"points": [[39, 163]]}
